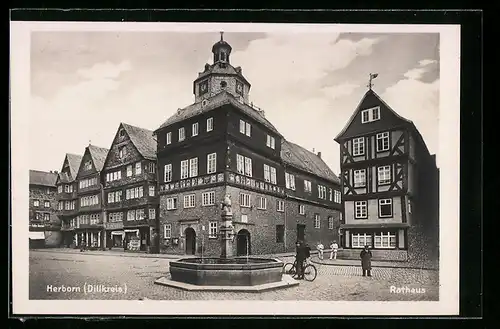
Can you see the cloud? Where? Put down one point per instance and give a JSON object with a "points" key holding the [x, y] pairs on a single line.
{"points": [[106, 70], [340, 90], [425, 62]]}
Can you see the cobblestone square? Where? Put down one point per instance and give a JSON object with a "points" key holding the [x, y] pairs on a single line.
{"points": [[58, 275]]}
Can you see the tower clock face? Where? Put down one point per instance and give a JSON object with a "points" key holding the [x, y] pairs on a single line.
{"points": [[203, 87], [239, 88]]}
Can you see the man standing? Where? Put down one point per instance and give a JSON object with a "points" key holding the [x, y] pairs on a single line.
{"points": [[334, 247], [320, 248], [366, 261], [300, 258]]}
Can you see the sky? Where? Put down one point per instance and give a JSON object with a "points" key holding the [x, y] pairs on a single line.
{"points": [[83, 84]]}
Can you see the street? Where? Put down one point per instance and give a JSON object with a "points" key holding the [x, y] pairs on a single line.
{"points": [[56, 275]]}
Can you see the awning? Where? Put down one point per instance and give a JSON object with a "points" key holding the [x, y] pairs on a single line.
{"points": [[36, 235], [117, 232]]}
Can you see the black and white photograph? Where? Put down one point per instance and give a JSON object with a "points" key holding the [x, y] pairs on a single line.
{"points": [[182, 168]]}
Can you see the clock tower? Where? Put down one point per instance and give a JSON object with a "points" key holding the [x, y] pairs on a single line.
{"points": [[221, 76]]}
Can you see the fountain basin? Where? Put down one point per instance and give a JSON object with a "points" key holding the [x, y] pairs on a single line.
{"points": [[238, 271]]}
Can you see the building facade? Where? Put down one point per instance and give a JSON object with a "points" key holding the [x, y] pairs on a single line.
{"points": [[389, 185], [44, 224], [130, 189], [67, 198], [89, 230], [223, 145]]}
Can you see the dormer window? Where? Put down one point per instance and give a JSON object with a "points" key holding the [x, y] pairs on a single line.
{"points": [[223, 84], [88, 165], [370, 115], [122, 133]]}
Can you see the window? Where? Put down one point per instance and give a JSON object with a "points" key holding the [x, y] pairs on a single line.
{"points": [[68, 188], [129, 171], [122, 133], [358, 146], [359, 178], [46, 204], [330, 222], [87, 201], [244, 165], [115, 217], [194, 129], [370, 115], [168, 138], [112, 176], [245, 128], [184, 169], [152, 190], [337, 196], [211, 163], [270, 142], [210, 124], [409, 206], [208, 198], [138, 168], [317, 221], [168, 172], [36, 203], [302, 209], [114, 196], [152, 213], [193, 167], [280, 206], [331, 194], [46, 217], [137, 214], [384, 175], [290, 181], [85, 183], [244, 218], [60, 205], [385, 240], [122, 152], [385, 208], [383, 142], [261, 203], [307, 186], [59, 189], [248, 167], [171, 203], [212, 229], [321, 192], [88, 165], [269, 174], [189, 201], [182, 134], [244, 200], [95, 219], [134, 193], [167, 231], [360, 240], [360, 210], [152, 167], [280, 233]]}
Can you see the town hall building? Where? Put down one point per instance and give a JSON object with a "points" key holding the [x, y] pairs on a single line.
{"points": [[390, 186], [223, 145]]}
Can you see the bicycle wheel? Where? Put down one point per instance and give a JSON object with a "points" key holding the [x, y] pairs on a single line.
{"points": [[289, 268], [310, 272]]}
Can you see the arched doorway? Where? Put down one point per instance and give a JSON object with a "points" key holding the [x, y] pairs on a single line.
{"points": [[190, 241], [243, 243]]}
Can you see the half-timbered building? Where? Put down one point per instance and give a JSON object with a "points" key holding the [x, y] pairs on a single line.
{"points": [[130, 191], [44, 225], [389, 185], [67, 198], [89, 229], [223, 145]]}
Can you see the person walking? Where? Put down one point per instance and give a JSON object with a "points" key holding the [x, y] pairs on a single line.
{"points": [[366, 261], [334, 247], [320, 248]]}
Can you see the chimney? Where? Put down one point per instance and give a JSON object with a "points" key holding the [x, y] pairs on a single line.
{"points": [[319, 155], [314, 150]]}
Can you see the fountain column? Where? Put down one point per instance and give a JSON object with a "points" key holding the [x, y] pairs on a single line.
{"points": [[226, 229]]}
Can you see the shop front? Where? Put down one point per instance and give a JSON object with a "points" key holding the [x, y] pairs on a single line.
{"points": [[115, 235], [36, 239], [137, 238]]}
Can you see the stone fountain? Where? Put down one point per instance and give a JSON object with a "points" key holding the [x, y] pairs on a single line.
{"points": [[227, 273]]}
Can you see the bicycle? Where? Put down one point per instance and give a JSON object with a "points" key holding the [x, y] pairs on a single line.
{"points": [[310, 271]]}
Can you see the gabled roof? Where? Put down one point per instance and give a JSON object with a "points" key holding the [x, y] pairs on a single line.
{"points": [[219, 68], [370, 92], [74, 161], [143, 140], [300, 158], [405, 121], [43, 178], [98, 155], [215, 102]]}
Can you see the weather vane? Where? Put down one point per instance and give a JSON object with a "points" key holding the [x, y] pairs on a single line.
{"points": [[372, 76], [221, 35]]}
